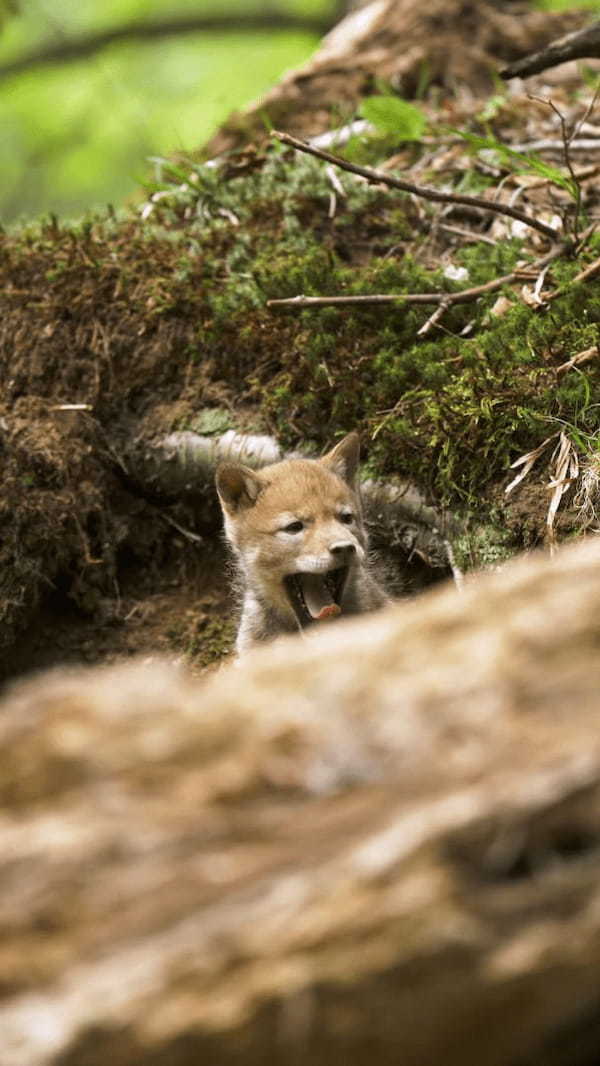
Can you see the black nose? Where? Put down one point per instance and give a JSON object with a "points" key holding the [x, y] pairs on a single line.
{"points": [[343, 547]]}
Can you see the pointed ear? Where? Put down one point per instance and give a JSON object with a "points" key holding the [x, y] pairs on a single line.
{"points": [[237, 486], [343, 459]]}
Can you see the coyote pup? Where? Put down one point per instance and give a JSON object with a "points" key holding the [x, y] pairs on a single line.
{"points": [[297, 532]]}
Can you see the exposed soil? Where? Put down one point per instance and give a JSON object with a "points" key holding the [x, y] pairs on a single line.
{"points": [[183, 611], [449, 42], [115, 575]]}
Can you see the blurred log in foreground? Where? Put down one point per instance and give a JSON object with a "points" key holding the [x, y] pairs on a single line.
{"points": [[376, 844]]}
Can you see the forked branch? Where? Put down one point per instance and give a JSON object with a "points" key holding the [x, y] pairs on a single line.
{"points": [[445, 299]]}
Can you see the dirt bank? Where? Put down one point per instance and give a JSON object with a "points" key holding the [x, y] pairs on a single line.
{"points": [[121, 328]]}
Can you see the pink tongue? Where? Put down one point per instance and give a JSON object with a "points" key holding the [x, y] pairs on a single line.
{"points": [[317, 597]]}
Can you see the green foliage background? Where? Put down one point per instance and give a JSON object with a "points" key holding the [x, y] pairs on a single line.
{"points": [[77, 136]]}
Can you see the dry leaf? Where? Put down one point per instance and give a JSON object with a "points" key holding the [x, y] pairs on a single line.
{"points": [[501, 306], [527, 461]]}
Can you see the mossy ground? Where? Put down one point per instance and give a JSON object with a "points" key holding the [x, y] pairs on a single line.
{"points": [[451, 411], [148, 321]]}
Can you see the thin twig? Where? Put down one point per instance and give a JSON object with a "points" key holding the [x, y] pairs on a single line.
{"points": [[424, 191], [583, 275], [578, 360], [583, 44], [589, 271], [463, 296], [433, 319], [468, 234], [547, 144], [187, 533], [567, 139], [584, 238], [335, 181], [71, 407], [578, 127]]}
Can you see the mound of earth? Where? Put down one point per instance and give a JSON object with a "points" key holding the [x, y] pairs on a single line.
{"points": [[121, 329], [447, 44]]}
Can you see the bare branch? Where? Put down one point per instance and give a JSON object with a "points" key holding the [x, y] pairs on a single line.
{"points": [[567, 139], [584, 44], [588, 272], [468, 235], [578, 360], [547, 144], [434, 319], [586, 115], [424, 191], [447, 299], [80, 47]]}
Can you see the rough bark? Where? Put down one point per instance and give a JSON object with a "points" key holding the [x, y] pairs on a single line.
{"points": [[584, 44], [376, 844], [401, 42]]}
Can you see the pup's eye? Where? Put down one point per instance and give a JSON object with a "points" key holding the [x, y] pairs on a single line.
{"points": [[346, 517], [294, 527]]}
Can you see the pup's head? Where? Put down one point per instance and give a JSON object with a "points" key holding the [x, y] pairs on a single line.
{"points": [[297, 530]]}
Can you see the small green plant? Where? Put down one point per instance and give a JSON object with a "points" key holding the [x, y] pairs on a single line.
{"points": [[390, 114], [518, 162]]}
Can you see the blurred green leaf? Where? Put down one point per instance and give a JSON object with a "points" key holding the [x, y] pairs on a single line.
{"points": [[393, 115], [78, 136]]}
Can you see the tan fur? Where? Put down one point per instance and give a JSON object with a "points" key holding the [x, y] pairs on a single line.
{"points": [[259, 505]]}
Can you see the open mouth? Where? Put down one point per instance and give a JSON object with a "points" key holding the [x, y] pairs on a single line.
{"points": [[315, 597]]}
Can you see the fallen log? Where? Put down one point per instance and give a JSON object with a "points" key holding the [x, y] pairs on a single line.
{"points": [[377, 843]]}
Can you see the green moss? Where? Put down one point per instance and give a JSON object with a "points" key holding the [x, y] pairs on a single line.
{"points": [[483, 546], [206, 641], [451, 410], [212, 420]]}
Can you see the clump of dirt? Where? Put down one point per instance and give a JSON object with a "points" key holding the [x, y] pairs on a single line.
{"points": [[184, 611], [406, 45], [82, 363]]}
